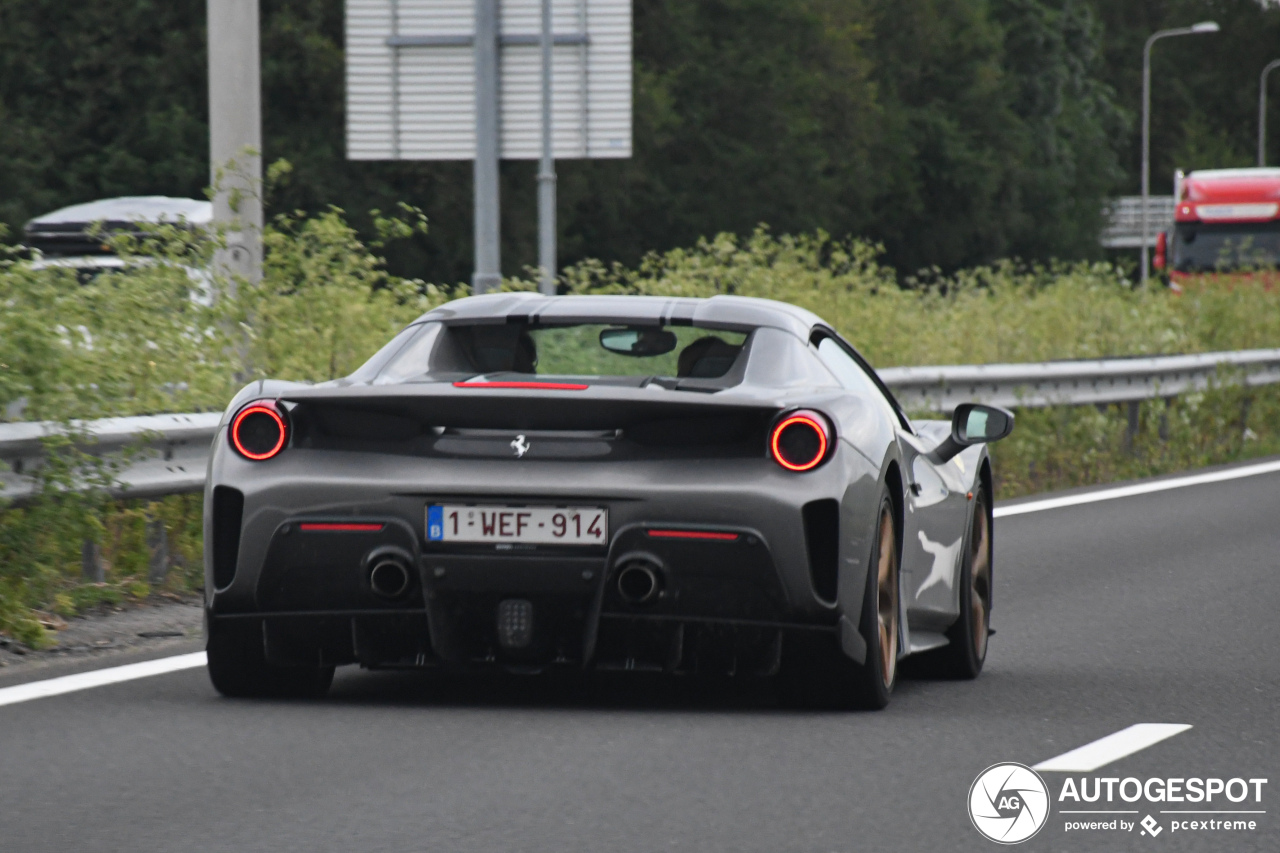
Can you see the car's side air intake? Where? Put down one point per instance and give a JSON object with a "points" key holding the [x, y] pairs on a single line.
{"points": [[822, 538], [228, 507]]}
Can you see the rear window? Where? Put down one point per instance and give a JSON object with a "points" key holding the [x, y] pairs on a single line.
{"points": [[578, 350]]}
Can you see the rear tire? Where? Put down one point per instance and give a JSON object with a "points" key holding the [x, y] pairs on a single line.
{"points": [[964, 656], [239, 669], [817, 673]]}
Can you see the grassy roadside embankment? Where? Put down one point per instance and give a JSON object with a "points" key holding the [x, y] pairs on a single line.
{"points": [[133, 342]]}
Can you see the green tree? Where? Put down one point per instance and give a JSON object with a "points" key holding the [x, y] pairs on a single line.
{"points": [[1204, 94], [100, 99], [953, 131], [1002, 134]]}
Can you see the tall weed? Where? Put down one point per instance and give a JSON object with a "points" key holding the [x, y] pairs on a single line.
{"points": [[166, 335]]}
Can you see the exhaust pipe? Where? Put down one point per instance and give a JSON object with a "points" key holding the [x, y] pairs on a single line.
{"points": [[389, 578], [639, 582]]}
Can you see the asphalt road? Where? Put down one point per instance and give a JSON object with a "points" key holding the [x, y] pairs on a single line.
{"points": [[1160, 608]]}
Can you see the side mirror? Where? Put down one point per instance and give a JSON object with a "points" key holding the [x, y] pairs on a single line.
{"points": [[1162, 250], [973, 423]]}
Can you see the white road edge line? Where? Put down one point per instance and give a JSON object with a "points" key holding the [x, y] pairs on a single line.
{"points": [[98, 678], [1139, 489], [1113, 747]]}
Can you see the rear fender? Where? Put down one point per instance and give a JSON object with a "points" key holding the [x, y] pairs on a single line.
{"points": [[858, 516]]}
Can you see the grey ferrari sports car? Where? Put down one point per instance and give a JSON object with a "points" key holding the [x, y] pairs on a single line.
{"points": [[535, 483]]}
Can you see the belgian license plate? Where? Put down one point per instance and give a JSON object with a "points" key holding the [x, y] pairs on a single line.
{"points": [[537, 525]]}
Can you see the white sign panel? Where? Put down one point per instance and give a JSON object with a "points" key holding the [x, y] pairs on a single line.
{"points": [[411, 79]]}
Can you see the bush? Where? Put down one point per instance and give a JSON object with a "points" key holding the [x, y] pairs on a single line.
{"points": [[1009, 313], [135, 342], [163, 335], [1002, 313]]}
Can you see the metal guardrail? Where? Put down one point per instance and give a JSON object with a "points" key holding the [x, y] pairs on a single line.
{"points": [[175, 462], [179, 444], [1073, 383]]}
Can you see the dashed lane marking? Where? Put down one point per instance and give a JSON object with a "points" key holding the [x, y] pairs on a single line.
{"points": [[1113, 747]]}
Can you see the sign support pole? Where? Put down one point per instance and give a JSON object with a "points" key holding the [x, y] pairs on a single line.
{"points": [[488, 257], [235, 133], [546, 170]]}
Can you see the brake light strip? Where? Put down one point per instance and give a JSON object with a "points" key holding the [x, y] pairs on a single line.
{"points": [[693, 534], [528, 386]]}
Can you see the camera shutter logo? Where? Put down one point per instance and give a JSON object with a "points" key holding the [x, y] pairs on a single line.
{"points": [[1008, 803]]}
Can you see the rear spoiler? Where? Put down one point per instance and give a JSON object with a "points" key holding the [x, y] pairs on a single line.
{"points": [[406, 410]]}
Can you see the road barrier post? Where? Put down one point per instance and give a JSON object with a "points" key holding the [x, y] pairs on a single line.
{"points": [[158, 547], [91, 568]]}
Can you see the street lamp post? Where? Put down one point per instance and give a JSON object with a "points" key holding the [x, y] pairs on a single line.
{"points": [[1194, 29], [1262, 112]]}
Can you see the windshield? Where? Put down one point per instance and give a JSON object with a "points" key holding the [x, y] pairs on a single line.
{"points": [[606, 350], [1199, 247]]}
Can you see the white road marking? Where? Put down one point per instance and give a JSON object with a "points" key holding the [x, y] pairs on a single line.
{"points": [[98, 678], [1139, 489], [1113, 747]]}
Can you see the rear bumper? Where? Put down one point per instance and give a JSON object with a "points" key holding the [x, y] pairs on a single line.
{"points": [[726, 599], [616, 641], [715, 604]]}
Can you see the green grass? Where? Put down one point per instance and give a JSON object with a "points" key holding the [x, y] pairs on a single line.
{"points": [[40, 556], [133, 343]]}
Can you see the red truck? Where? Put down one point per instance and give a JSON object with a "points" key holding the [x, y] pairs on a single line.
{"points": [[1225, 221]]}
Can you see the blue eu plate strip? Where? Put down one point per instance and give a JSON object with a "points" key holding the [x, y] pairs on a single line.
{"points": [[435, 523]]}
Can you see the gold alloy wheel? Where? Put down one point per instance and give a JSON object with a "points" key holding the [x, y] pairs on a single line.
{"points": [[980, 576], [887, 597]]}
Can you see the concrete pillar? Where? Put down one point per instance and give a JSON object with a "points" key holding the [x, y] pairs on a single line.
{"points": [[235, 132]]}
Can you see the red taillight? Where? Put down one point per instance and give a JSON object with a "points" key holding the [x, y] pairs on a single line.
{"points": [[339, 527], [799, 442], [693, 534], [259, 431]]}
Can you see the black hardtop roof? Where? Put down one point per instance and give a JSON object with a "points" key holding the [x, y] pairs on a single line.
{"points": [[726, 311]]}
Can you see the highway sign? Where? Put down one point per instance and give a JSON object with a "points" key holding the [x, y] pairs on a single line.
{"points": [[411, 79]]}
